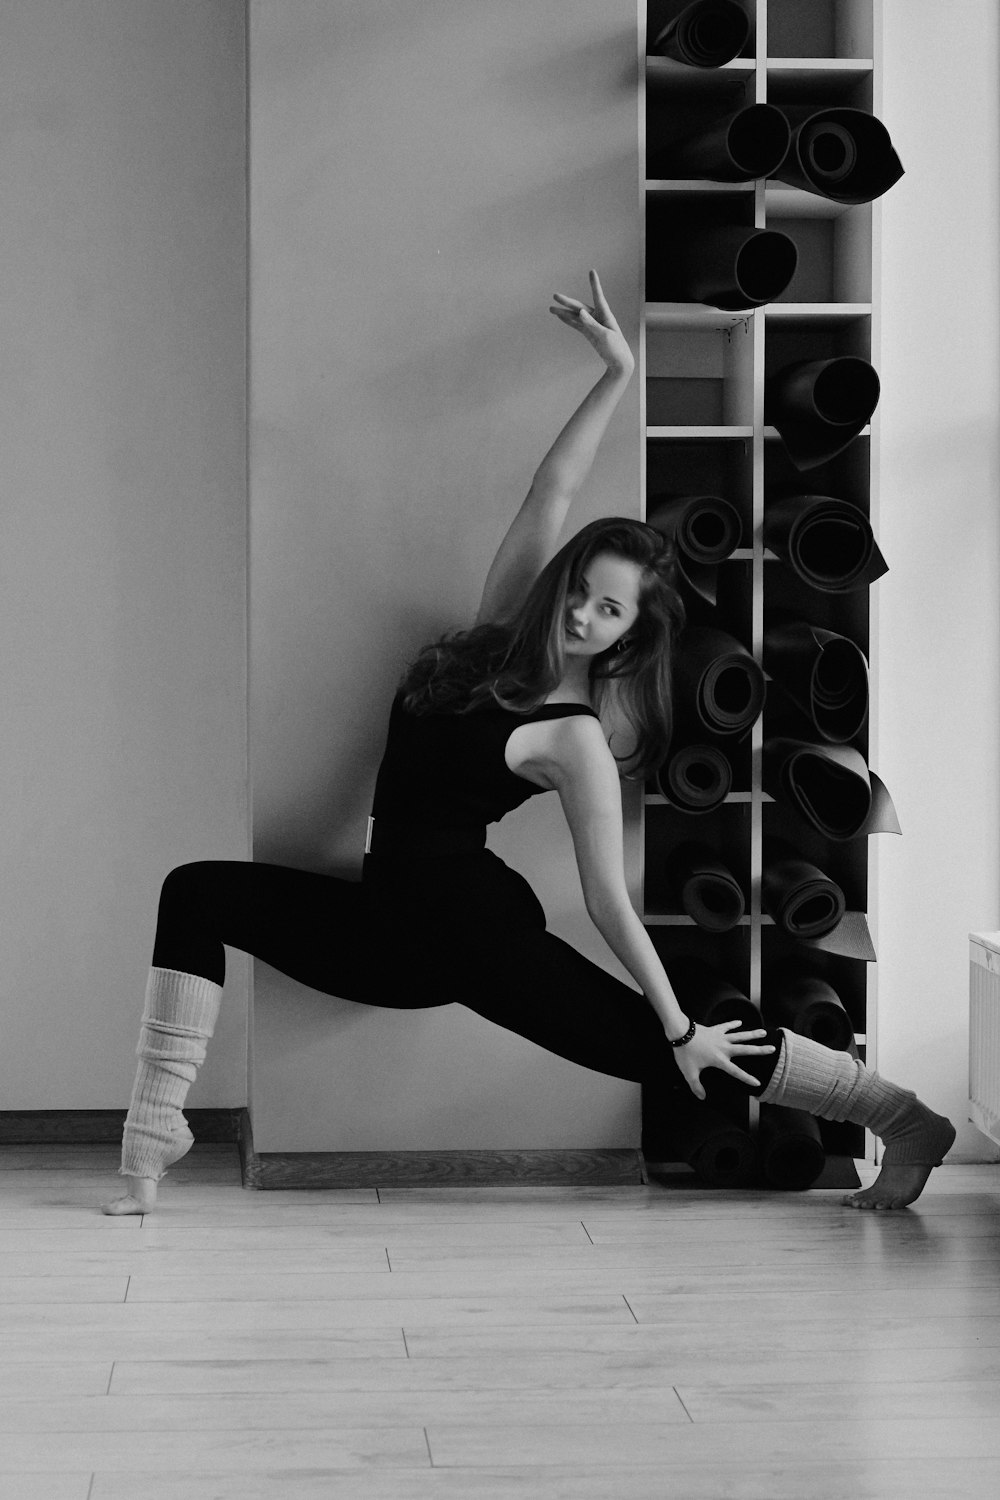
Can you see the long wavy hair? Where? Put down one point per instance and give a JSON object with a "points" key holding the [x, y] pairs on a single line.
{"points": [[518, 664]]}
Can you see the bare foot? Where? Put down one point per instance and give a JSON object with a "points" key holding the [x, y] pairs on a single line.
{"points": [[140, 1198], [894, 1187]]}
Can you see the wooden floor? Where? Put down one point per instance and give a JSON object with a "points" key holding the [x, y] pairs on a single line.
{"points": [[545, 1344]]}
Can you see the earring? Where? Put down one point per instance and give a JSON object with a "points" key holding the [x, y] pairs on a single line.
{"points": [[623, 644]]}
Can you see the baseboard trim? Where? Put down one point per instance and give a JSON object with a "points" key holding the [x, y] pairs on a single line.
{"points": [[103, 1127], [277, 1170]]}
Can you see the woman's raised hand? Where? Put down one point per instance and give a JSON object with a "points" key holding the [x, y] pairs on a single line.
{"points": [[598, 326], [716, 1047]]}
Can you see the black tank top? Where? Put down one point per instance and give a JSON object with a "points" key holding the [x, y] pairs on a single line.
{"points": [[448, 770]]}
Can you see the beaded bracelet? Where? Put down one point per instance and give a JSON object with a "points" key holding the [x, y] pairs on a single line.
{"points": [[682, 1041]]}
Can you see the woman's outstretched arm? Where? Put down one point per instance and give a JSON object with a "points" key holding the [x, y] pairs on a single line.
{"points": [[531, 539], [579, 765]]}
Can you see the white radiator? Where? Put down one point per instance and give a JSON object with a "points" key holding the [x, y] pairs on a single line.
{"points": [[984, 1032]]}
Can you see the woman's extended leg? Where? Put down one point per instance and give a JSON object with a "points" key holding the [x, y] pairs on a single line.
{"points": [[837, 1086], [308, 926], [540, 987]]}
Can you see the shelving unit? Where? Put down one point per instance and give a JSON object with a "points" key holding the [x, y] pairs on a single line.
{"points": [[703, 373]]}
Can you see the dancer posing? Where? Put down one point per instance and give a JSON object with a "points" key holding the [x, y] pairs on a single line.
{"points": [[563, 684]]}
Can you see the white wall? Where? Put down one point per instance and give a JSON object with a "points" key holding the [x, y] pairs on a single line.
{"points": [[122, 570], [939, 607], [422, 178]]}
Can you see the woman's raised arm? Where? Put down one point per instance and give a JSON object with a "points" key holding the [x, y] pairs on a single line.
{"points": [[531, 538]]}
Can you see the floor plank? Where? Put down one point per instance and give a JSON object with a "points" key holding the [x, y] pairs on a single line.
{"points": [[85, 1346], [611, 1445], [197, 1318], [625, 1369], [233, 1451], [971, 1285], [857, 1400], [873, 1479], [45, 1486], [331, 1411], [722, 1341], [18, 1290], [813, 1305], [26, 1380]]}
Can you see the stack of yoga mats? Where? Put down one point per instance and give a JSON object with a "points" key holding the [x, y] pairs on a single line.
{"points": [[763, 160]]}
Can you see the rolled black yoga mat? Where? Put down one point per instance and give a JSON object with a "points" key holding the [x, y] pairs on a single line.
{"points": [[729, 267], [824, 674], [705, 34], [809, 1005], [790, 1149], [820, 405], [827, 541], [706, 889], [706, 530], [830, 786], [739, 147], [720, 1152], [718, 686], [696, 778], [708, 998], [843, 154], [803, 901]]}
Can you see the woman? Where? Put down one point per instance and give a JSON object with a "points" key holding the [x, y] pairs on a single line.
{"points": [[482, 722]]}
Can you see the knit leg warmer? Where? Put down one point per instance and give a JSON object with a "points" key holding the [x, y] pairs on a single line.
{"points": [[836, 1086], [179, 1017]]}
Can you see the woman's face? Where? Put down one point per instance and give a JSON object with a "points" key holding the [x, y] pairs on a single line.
{"points": [[603, 607]]}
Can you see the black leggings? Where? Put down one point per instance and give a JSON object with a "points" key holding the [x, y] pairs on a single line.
{"points": [[466, 930]]}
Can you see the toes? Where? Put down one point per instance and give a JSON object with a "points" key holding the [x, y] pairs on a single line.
{"points": [[872, 1204]]}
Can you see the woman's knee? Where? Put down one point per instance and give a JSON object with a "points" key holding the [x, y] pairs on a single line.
{"points": [[188, 886]]}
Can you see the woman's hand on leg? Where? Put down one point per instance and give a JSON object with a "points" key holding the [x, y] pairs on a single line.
{"points": [[719, 1047]]}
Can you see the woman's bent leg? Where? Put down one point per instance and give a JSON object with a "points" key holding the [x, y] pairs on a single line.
{"points": [[309, 926]]}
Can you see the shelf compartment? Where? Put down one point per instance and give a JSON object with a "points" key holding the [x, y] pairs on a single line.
{"points": [[824, 31], [782, 201], [703, 468], [847, 476], [726, 831], [727, 952], [739, 756], [844, 862], [671, 218], [835, 262], [733, 607], [814, 335], [678, 107], [803, 81], [700, 377], [845, 614]]}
